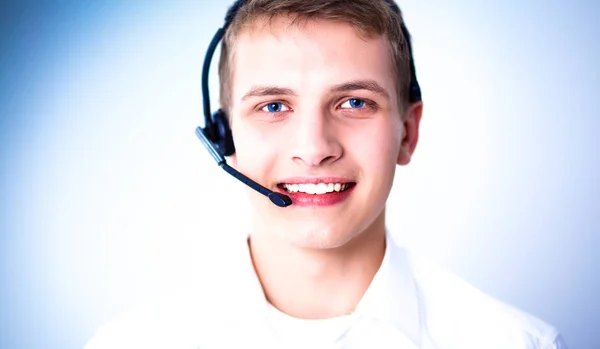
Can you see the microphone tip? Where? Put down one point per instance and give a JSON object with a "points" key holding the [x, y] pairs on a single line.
{"points": [[280, 199]]}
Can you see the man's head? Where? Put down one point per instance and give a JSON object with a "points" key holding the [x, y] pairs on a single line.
{"points": [[317, 92]]}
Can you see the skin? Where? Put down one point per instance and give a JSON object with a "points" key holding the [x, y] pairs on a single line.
{"points": [[317, 126]]}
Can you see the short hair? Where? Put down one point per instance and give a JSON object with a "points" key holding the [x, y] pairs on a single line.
{"points": [[370, 18]]}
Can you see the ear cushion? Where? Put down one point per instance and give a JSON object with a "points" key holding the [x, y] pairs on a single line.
{"points": [[222, 137]]}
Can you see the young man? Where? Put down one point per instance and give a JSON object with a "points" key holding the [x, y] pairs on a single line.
{"points": [[319, 98]]}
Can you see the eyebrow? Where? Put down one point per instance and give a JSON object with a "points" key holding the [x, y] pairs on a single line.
{"points": [[262, 91], [369, 85]]}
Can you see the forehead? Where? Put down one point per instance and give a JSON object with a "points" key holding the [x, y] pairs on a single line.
{"points": [[307, 56]]}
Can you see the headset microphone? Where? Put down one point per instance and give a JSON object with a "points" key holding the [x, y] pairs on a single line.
{"points": [[277, 198]]}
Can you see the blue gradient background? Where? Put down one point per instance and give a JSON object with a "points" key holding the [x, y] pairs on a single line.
{"points": [[108, 200]]}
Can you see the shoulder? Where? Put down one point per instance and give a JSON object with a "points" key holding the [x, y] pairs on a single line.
{"points": [[169, 323], [194, 313], [460, 316]]}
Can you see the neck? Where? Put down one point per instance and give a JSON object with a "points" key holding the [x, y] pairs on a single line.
{"points": [[317, 284]]}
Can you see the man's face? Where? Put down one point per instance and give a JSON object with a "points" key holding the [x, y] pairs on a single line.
{"points": [[311, 104]]}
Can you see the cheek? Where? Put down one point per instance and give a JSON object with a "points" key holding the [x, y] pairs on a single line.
{"points": [[254, 151], [379, 146]]}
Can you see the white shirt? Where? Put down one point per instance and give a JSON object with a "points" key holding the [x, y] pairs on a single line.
{"points": [[410, 304]]}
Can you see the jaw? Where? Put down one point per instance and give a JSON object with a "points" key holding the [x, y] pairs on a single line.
{"points": [[326, 238], [317, 227]]}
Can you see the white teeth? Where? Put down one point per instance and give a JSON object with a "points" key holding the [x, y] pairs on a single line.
{"points": [[310, 188], [320, 188]]}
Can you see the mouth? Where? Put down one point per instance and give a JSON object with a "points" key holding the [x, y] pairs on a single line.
{"points": [[320, 188], [317, 191]]}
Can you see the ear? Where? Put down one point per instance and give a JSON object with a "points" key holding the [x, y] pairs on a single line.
{"points": [[411, 133]]}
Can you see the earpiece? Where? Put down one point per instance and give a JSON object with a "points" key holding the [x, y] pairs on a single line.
{"points": [[221, 134]]}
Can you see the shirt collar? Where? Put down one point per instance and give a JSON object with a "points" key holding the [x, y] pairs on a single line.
{"points": [[392, 297]]}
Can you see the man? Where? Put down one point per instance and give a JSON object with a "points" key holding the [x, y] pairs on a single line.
{"points": [[320, 99]]}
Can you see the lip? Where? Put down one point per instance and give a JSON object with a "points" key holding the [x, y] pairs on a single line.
{"points": [[321, 200], [315, 180]]}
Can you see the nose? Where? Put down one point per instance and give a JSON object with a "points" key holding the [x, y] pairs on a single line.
{"points": [[316, 139]]}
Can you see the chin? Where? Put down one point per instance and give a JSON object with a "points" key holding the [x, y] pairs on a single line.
{"points": [[315, 229], [319, 238]]}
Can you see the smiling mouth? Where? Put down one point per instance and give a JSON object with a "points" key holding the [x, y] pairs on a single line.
{"points": [[316, 188]]}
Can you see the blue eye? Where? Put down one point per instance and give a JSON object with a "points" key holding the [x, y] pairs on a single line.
{"points": [[354, 103], [275, 107], [357, 103]]}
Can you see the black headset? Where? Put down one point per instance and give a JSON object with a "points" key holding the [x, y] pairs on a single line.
{"points": [[216, 134]]}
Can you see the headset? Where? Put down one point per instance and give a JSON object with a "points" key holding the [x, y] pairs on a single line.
{"points": [[216, 134]]}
